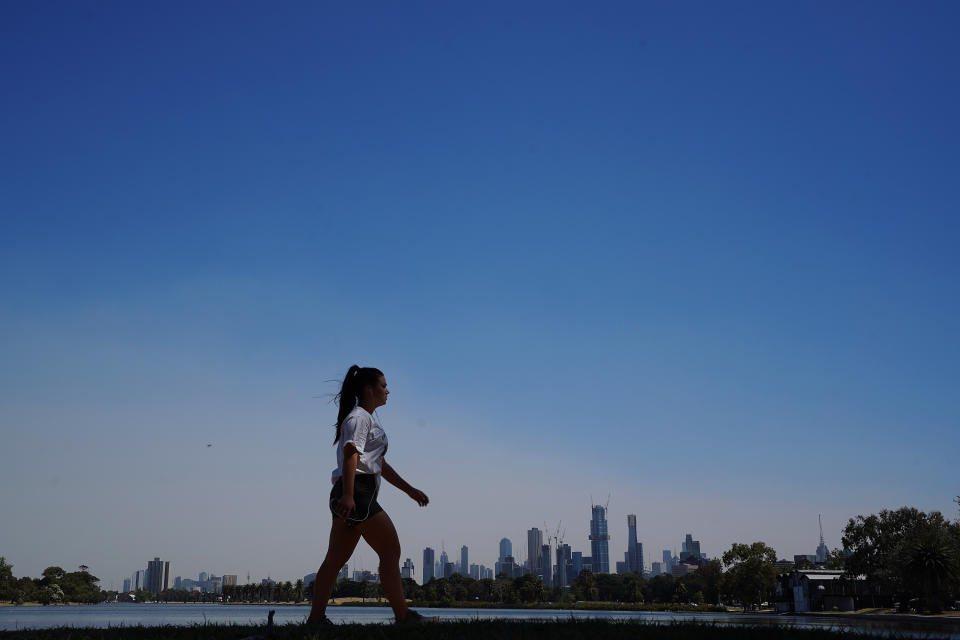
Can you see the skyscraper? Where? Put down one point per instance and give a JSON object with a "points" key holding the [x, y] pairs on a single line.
{"points": [[668, 560], [158, 576], [545, 565], [464, 565], [534, 543], [407, 571], [444, 561], [139, 580], [633, 557], [690, 549], [822, 550], [506, 548], [427, 565], [564, 565], [599, 539]]}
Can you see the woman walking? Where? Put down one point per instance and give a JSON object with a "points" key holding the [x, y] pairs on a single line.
{"points": [[361, 447]]}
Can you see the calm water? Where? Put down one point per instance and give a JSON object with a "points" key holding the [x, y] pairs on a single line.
{"points": [[115, 615]]}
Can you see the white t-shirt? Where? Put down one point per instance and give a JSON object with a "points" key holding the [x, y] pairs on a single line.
{"points": [[370, 440]]}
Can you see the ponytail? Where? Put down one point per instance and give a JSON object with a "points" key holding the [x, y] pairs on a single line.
{"points": [[353, 383]]}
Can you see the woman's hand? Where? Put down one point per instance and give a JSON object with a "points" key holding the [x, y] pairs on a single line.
{"points": [[344, 506], [419, 497]]}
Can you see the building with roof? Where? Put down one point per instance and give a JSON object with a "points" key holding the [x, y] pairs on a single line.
{"points": [[818, 590]]}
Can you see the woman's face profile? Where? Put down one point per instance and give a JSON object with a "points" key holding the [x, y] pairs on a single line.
{"points": [[378, 392]]}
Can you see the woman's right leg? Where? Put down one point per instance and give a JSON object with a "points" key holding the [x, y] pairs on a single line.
{"points": [[343, 540]]}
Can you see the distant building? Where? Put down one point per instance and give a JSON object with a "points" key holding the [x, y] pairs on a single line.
{"points": [[577, 564], [822, 550], [782, 565], [203, 577], [126, 585], [546, 564], [804, 557], [621, 567], [407, 571], [656, 568], [427, 565], [158, 576], [449, 569], [344, 572], [139, 580], [599, 539], [475, 571], [215, 584], [178, 583], [820, 590], [364, 575], [230, 580], [690, 549], [464, 563], [534, 544], [564, 566], [506, 549], [634, 555], [506, 566], [682, 568], [668, 560]]}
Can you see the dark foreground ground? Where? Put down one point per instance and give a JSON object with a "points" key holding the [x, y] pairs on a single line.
{"points": [[478, 630]]}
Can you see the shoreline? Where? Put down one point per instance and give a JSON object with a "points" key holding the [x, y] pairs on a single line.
{"points": [[879, 615]]}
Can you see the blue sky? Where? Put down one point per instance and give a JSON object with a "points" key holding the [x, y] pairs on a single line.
{"points": [[699, 256]]}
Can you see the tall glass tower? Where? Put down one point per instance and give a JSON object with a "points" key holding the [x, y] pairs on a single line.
{"points": [[599, 539], [506, 548], [428, 567], [634, 550], [534, 543]]}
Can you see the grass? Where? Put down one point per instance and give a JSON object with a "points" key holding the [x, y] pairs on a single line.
{"points": [[474, 630]]}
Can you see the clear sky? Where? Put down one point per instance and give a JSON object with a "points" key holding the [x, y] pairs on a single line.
{"points": [[701, 257]]}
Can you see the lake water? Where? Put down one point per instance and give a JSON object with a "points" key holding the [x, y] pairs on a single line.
{"points": [[115, 615]]}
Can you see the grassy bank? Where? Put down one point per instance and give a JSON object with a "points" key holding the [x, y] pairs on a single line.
{"points": [[477, 630]]}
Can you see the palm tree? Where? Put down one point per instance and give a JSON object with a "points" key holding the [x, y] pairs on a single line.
{"points": [[930, 565]]}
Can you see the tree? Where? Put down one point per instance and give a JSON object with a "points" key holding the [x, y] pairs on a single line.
{"points": [[904, 553], [705, 581], [7, 581], [584, 586], [661, 588], [751, 575], [80, 586], [50, 594], [52, 575], [836, 560], [873, 541], [929, 564]]}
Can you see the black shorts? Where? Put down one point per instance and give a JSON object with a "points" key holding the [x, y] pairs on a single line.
{"points": [[365, 490]]}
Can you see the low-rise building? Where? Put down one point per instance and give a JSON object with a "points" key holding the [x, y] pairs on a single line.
{"points": [[818, 590]]}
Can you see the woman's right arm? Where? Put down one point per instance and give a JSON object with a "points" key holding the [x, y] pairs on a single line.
{"points": [[350, 458]]}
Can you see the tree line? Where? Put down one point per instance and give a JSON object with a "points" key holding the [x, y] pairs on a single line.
{"points": [[55, 586]]}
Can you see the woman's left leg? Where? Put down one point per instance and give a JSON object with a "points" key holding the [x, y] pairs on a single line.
{"points": [[381, 535]]}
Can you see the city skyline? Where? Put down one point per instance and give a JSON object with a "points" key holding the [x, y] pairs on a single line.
{"points": [[673, 250], [432, 564]]}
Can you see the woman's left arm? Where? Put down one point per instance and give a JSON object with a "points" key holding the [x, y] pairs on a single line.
{"points": [[391, 476]]}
